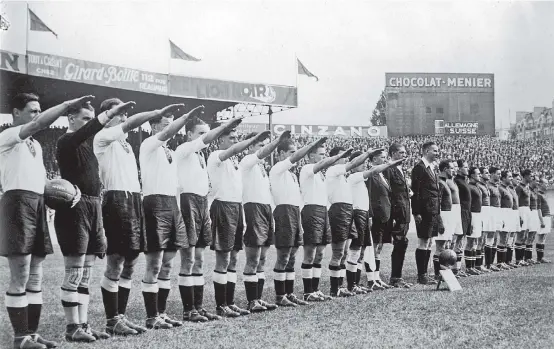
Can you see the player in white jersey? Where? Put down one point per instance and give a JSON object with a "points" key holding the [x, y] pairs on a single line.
{"points": [[192, 176], [165, 230], [226, 214], [258, 236], [288, 225], [122, 210], [315, 218], [25, 239]]}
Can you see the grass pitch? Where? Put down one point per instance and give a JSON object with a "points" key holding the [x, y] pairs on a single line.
{"points": [[510, 309]]}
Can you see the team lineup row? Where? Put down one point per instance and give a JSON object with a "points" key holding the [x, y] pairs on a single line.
{"points": [[352, 207]]}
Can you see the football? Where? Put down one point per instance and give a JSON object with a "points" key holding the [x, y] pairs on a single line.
{"points": [[59, 193], [447, 258]]}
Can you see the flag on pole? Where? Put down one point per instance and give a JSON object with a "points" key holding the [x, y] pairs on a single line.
{"points": [[177, 53], [38, 25], [302, 70]]}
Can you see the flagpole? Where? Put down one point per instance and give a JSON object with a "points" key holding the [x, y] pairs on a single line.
{"points": [[27, 30]]}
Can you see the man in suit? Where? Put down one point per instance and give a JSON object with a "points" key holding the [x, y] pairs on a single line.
{"points": [[379, 196], [399, 221], [426, 208]]}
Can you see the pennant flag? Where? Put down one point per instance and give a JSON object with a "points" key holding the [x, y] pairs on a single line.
{"points": [[304, 71], [177, 53], [38, 25]]}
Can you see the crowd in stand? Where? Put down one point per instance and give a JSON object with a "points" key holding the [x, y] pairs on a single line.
{"points": [[514, 155]]}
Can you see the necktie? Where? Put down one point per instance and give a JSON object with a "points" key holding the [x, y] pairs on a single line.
{"points": [[31, 145], [201, 160], [167, 153]]}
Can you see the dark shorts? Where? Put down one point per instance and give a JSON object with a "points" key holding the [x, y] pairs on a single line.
{"points": [[259, 225], [430, 226], [396, 229], [340, 221], [360, 230], [165, 229], [288, 232], [23, 224], [315, 223], [80, 229], [466, 221], [380, 233], [227, 226], [196, 215], [123, 217]]}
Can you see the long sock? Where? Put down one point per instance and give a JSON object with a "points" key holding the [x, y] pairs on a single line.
{"points": [[261, 283], [487, 256], [467, 257], [369, 273], [520, 251], [279, 280], [110, 297], [316, 276], [358, 273], [436, 264], [164, 285], [334, 272], [420, 256], [84, 300], [427, 258], [509, 254], [150, 295], [482, 257], [540, 251], [478, 260], [186, 290], [397, 258], [342, 275], [251, 286], [529, 251], [198, 281], [501, 254], [230, 288], [459, 257], [34, 298], [492, 256], [351, 272], [220, 287], [289, 282], [307, 276], [17, 307], [123, 295]]}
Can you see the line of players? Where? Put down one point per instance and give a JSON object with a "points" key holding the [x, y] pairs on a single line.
{"points": [[312, 212], [498, 212]]}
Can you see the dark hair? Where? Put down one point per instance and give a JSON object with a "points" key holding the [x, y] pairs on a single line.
{"points": [[395, 147], [285, 146], [158, 119], [336, 151], [77, 108], [355, 154], [493, 169], [21, 99], [374, 154], [314, 149], [109, 103], [504, 174], [192, 123], [472, 170], [482, 169], [427, 145], [444, 164], [227, 131], [526, 172], [460, 162]]}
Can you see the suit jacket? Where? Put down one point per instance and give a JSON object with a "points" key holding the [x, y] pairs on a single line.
{"points": [[379, 198], [399, 196], [427, 194]]}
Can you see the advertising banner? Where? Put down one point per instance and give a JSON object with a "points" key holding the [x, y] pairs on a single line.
{"points": [[12, 62], [460, 128], [317, 130], [439, 82]]}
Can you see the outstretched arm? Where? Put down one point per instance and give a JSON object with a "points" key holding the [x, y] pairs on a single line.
{"points": [[47, 117], [270, 147], [216, 132], [325, 163], [172, 129], [361, 159], [241, 146], [381, 168], [140, 118], [300, 153]]}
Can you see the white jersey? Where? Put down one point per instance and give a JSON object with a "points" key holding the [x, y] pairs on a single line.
{"points": [[338, 189], [256, 179], [284, 184], [360, 196], [312, 186], [225, 178]]}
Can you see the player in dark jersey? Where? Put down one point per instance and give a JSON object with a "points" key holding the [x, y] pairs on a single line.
{"points": [[547, 224], [516, 224], [486, 218], [476, 222], [534, 221], [458, 242], [524, 201], [495, 216], [507, 216], [446, 168]]}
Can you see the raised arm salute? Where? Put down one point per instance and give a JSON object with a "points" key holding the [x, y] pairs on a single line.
{"points": [[25, 239], [122, 211], [193, 185], [256, 197]]}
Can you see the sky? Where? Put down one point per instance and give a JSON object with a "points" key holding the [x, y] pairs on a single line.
{"points": [[349, 45]]}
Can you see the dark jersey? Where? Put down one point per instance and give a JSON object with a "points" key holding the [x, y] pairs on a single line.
{"points": [[515, 200], [532, 200], [523, 195], [446, 195], [543, 204], [506, 199], [495, 194], [464, 192], [476, 198], [76, 158], [485, 195]]}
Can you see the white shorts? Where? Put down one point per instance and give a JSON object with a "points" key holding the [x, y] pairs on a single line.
{"points": [[457, 220], [476, 225], [547, 225], [515, 222], [486, 217], [525, 215], [448, 222], [534, 221], [496, 218]]}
